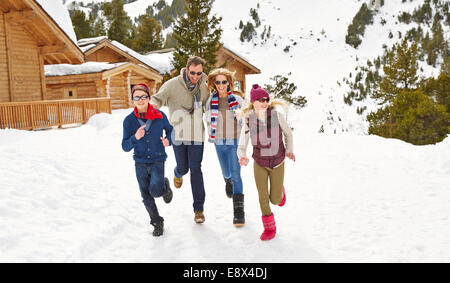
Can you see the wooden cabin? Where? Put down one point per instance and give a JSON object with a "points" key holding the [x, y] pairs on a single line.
{"points": [[235, 62], [111, 70], [30, 38], [225, 56], [99, 80], [102, 49], [34, 33]]}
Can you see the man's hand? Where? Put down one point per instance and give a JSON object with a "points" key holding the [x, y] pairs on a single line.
{"points": [[243, 161], [291, 156], [140, 132], [165, 142]]}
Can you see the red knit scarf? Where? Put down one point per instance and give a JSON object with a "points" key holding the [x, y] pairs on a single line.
{"points": [[151, 114]]}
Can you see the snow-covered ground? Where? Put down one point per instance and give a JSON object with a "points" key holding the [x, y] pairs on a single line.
{"points": [[71, 195]]}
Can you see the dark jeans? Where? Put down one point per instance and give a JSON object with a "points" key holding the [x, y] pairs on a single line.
{"points": [[150, 177], [189, 158], [229, 162]]}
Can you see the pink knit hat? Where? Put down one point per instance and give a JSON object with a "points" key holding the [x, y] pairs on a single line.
{"points": [[141, 86], [257, 92]]}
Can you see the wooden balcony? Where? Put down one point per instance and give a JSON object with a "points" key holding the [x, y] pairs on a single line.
{"points": [[50, 113]]}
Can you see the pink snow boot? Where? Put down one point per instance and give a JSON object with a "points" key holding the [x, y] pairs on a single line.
{"points": [[269, 228], [283, 201]]}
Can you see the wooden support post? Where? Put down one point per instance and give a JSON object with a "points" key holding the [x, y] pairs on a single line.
{"points": [[83, 109], [32, 116], [59, 115], [9, 57]]}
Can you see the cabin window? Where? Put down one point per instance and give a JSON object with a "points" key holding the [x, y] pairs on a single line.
{"points": [[70, 93], [237, 86]]}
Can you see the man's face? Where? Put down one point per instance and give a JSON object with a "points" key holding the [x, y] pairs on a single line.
{"points": [[193, 72]]}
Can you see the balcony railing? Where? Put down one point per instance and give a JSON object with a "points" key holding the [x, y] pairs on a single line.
{"points": [[50, 113]]}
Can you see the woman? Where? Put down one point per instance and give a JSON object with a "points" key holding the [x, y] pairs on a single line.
{"points": [[224, 130]]}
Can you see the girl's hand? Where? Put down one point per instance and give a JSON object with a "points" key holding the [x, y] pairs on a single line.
{"points": [[291, 156], [165, 142], [243, 161]]}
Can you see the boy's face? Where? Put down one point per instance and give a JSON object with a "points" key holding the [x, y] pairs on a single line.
{"points": [[141, 104]]}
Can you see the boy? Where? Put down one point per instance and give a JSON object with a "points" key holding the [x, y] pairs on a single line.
{"points": [[143, 132]]}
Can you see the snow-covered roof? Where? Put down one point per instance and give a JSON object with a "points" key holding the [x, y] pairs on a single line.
{"points": [[159, 64], [160, 67], [85, 68], [59, 13], [89, 41], [163, 59]]}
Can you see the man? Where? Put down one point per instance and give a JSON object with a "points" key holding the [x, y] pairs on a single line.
{"points": [[143, 132], [185, 96]]}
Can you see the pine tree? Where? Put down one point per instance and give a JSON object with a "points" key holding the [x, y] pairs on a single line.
{"points": [[439, 89], [120, 24], [400, 72], [413, 117], [98, 26], [148, 35], [283, 89], [81, 25], [197, 34]]}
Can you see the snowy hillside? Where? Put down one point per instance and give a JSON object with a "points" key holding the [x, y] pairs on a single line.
{"points": [[71, 195], [318, 57]]}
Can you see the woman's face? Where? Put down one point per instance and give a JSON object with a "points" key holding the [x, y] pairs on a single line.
{"points": [[219, 83]]}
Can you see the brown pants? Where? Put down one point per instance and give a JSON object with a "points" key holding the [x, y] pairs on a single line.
{"points": [[275, 195]]}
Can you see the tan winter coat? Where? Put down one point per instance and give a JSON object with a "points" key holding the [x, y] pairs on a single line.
{"points": [[176, 96]]}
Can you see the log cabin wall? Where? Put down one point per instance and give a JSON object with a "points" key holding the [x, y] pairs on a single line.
{"points": [[118, 91], [75, 87], [137, 79], [4, 81], [105, 55], [25, 64]]}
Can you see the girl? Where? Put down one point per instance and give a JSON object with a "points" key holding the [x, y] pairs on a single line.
{"points": [[266, 128], [224, 130]]}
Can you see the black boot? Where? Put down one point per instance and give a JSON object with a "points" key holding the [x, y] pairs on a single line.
{"points": [[238, 207], [168, 195], [158, 228], [229, 187]]}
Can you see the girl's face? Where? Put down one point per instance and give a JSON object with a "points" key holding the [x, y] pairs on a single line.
{"points": [[219, 83], [261, 104]]}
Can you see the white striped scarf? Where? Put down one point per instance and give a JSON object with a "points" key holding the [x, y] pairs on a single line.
{"points": [[232, 105]]}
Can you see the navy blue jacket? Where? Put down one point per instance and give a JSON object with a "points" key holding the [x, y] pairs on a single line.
{"points": [[149, 148]]}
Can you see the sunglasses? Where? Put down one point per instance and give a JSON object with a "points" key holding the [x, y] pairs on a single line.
{"points": [[263, 99], [137, 98], [194, 73], [223, 82]]}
